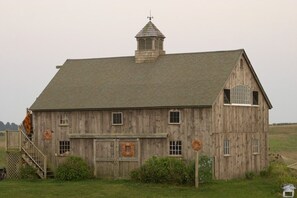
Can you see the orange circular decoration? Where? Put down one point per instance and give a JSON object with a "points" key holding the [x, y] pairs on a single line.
{"points": [[196, 145], [47, 135]]}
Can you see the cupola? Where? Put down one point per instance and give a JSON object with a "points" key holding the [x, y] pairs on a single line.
{"points": [[149, 44]]}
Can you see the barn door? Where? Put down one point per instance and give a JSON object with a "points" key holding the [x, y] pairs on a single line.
{"points": [[115, 158], [105, 158]]}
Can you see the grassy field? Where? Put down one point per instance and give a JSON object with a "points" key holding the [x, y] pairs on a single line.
{"points": [[120, 188], [282, 139]]}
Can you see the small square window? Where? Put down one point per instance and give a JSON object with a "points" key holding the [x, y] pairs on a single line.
{"points": [[117, 118], [174, 117], [227, 96], [255, 98], [175, 147], [226, 147], [64, 147], [63, 119]]}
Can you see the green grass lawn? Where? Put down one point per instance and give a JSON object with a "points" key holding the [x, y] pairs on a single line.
{"points": [[257, 187]]}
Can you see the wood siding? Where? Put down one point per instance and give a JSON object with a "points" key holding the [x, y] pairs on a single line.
{"points": [[143, 124], [239, 124]]}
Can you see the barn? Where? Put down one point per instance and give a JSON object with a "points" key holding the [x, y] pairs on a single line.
{"points": [[117, 112]]}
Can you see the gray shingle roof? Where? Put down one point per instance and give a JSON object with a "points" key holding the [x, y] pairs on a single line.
{"points": [[150, 30], [193, 79]]}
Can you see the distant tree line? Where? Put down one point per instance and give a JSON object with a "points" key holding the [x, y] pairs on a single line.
{"points": [[290, 123], [8, 126]]}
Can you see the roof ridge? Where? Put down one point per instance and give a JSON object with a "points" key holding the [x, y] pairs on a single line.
{"points": [[184, 53]]}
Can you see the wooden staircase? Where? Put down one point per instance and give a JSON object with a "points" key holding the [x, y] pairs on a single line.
{"points": [[33, 156]]}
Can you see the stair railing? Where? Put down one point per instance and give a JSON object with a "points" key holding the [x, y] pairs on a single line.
{"points": [[35, 155]]}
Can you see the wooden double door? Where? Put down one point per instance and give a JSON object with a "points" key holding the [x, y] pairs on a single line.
{"points": [[116, 158]]}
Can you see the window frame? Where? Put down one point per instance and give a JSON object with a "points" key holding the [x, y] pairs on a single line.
{"points": [[255, 98], [175, 148], [169, 116], [112, 118], [227, 96], [255, 146], [63, 119], [64, 147], [226, 147]]}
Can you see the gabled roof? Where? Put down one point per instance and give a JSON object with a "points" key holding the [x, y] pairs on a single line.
{"points": [[174, 80], [150, 30]]}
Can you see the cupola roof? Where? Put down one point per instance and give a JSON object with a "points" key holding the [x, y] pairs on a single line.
{"points": [[150, 30]]}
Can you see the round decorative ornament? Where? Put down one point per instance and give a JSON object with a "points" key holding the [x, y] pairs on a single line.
{"points": [[196, 145], [47, 135]]}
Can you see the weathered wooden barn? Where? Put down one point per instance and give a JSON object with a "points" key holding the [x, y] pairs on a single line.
{"points": [[118, 112]]}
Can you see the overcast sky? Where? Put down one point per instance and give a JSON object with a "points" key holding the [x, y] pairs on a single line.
{"points": [[38, 35]]}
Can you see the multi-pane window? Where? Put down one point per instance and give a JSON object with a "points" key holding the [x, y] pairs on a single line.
{"points": [[241, 94], [63, 119], [255, 98], [117, 118], [226, 147], [145, 44], [255, 146], [64, 146], [175, 147], [174, 117]]}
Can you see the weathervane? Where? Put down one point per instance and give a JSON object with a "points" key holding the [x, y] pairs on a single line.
{"points": [[150, 17]]}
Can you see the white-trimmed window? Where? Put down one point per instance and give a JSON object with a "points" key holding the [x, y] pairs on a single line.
{"points": [[63, 119], [117, 118], [255, 146], [174, 117], [241, 94], [175, 148], [64, 147], [226, 147]]}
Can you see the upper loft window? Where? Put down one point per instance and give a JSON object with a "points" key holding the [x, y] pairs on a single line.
{"points": [[227, 99], [117, 118], [241, 63], [241, 94], [174, 117], [255, 98], [63, 119]]}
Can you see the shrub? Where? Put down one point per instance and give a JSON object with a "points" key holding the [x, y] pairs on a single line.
{"points": [[249, 175], [205, 169], [28, 172], [74, 168], [282, 174], [172, 170]]}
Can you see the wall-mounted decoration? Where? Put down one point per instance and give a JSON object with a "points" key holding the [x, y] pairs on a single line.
{"points": [[47, 135], [128, 149]]}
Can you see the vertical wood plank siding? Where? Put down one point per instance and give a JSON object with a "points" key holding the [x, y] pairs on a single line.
{"points": [[239, 124], [195, 123]]}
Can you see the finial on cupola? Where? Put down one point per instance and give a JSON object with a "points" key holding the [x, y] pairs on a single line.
{"points": [[150, 17]]}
